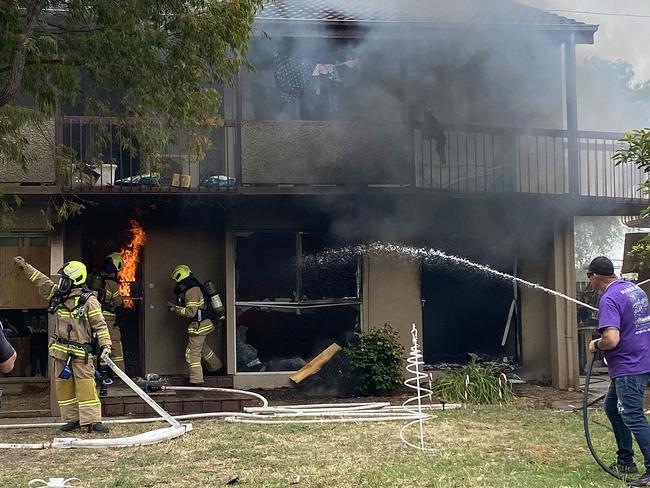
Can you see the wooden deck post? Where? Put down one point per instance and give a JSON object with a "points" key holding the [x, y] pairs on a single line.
{"points": [[572, 114]]}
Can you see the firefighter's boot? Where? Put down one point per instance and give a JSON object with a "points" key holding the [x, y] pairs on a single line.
{"points": [[70, 426], [97, 428]]}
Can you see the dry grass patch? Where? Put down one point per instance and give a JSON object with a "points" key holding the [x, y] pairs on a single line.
{"points": [[480, 448]]}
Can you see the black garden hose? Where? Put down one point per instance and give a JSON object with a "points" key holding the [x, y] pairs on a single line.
{"points": [[585, 421]]}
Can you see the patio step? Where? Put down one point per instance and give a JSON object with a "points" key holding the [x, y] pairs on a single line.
{"points": [[122, 401]]}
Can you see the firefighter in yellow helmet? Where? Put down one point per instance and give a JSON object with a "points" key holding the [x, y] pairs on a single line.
{"points": [[190, 303], [111, 299], [78, 315]]}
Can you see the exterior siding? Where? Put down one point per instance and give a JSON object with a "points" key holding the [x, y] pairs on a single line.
{"points": [[41, 152], [325, 152]]}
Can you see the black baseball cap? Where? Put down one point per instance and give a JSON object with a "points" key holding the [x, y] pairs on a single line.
{"points": [[602, 266]]}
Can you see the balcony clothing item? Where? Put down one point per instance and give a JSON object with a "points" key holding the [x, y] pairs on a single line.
{"points": [[191, 304], [75, 325], [432, 131], [624, 306], [329, 71], [290, 76], [624, 408], [6, 350], [349, 73], [112, 301]]}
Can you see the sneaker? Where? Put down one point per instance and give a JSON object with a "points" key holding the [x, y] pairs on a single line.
{"points": [[642, 481], [629, 468], [70, 426], [98, 428]]}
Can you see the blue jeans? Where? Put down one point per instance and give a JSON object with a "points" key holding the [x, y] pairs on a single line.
{"points": [[624, 408]]}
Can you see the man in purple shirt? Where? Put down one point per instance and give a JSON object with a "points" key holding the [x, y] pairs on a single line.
{"points": [[7, 354], [624, 324]]}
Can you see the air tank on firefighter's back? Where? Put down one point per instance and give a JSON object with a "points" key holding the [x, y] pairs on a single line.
{"points": [[215, 300], [96, 283]]}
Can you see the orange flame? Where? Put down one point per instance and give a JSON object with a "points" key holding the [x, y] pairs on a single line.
{"points": [[130, 258]]}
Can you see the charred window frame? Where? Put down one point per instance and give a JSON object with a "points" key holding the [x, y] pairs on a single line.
{"points": [[276, 264], [288, 306], [24, 239]]}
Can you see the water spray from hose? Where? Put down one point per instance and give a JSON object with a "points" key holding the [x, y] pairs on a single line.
{"points": [[428, 256]]}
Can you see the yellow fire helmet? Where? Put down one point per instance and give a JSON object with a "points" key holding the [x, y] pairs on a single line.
{"points": [[181, 272], [73, 273], [115, 258]]}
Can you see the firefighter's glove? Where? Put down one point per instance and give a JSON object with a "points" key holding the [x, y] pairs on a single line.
{"points": [[105, 351], [20, 262], [171, 307]]}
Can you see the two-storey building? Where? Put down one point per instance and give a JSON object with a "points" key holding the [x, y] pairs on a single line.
{"points": [[443, 125]]}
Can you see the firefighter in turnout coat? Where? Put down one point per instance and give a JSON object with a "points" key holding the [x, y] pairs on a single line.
{"points": [[78, 315], [111, 299], [190, 303]]}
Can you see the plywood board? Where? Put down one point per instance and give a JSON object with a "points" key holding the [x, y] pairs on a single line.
{"points": [[315, 365], [16, 291]]}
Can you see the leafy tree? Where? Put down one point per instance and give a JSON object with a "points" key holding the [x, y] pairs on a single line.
{"points": [[609, 97], [637, 152], [595, 236], [155, 64]]}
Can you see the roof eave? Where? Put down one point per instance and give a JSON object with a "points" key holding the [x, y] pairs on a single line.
{"points": [[584, 33]]}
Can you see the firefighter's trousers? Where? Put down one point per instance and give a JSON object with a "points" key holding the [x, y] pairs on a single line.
{"points": [[117, 351], [198, 350], [77, 396]]}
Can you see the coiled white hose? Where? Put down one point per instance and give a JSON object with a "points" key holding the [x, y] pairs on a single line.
{"points": [[413, 364]]}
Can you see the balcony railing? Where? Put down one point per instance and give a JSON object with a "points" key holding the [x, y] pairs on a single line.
{"points": [[492, 160], [466, 159], [95, 155]]}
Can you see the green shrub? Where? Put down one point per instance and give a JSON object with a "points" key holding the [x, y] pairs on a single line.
{"points": [[483, 387], [376, 361]]}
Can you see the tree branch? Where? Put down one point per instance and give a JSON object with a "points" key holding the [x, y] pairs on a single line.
{"points": [[4, 69], [8, 92], [67, 30]]}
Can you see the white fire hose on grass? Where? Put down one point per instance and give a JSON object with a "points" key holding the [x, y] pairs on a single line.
{"points": [[286, 414], [175, 429]]}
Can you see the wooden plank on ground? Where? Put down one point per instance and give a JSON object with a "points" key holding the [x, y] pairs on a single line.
{"points": [[314, 366]]}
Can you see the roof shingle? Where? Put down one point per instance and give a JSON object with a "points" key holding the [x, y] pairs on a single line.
{"points": [[485, 12]]}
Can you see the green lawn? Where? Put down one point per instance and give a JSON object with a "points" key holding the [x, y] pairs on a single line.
{"points": [[481, 447]]}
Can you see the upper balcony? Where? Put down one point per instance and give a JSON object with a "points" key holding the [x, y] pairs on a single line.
{"points": [[352, 157], [448, 111], [332, 110]]}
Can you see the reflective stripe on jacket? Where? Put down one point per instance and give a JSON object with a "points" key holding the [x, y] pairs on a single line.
{"points": [[81, 321], [113, 299], [193, 301]]}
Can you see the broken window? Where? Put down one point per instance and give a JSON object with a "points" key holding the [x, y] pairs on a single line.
{"points": [[290, 306]]}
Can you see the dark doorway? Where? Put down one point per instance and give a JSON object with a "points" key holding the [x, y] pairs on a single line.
{"points": [[102, 235], [465, 312]]}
